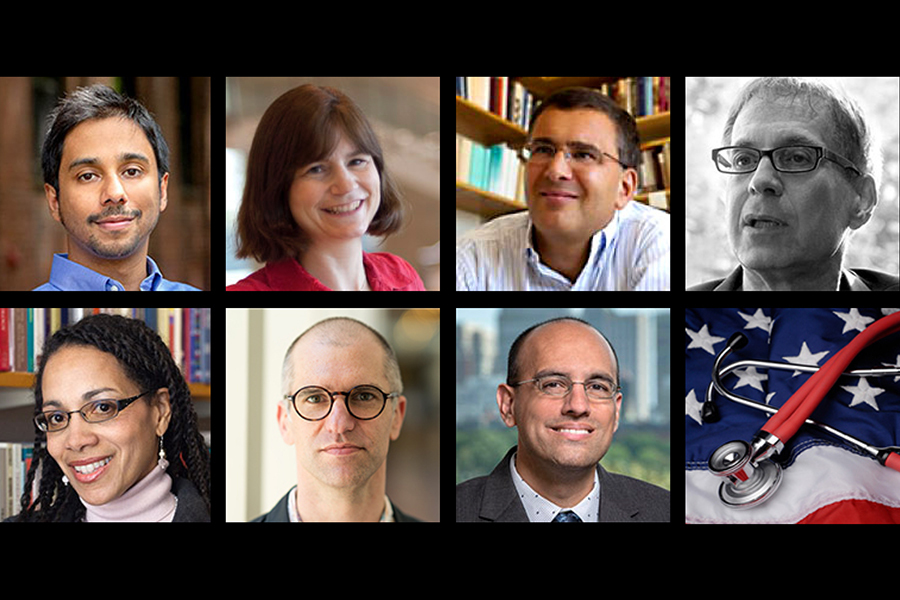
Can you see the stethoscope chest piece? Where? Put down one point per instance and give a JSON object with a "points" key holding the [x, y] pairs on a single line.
{"points": [[745, 485]]}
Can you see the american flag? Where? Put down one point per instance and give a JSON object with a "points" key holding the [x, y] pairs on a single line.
{"points": [[825, 480]]}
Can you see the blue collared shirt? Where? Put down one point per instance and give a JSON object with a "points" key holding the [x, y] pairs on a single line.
{"points": [[630, 253], [68, 276]]}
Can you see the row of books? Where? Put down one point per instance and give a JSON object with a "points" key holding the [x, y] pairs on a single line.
{"points": [[655, 166], [15, 460], [508, 99], [186, 331], [641, 96], [495, 169]]}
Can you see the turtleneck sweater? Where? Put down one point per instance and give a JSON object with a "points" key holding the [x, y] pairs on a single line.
{"points": [[149, 500]]}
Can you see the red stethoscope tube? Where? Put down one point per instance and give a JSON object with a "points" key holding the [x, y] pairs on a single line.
{"points": [[785, 423]]}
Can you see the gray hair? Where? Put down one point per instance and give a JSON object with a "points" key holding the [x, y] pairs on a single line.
{"points": [[849, 131], [343, 331]]}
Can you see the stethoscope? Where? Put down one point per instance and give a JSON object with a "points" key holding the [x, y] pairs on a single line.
{"points": [[750, 476]]}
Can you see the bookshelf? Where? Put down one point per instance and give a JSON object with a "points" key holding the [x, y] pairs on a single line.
{"points": [[488, 129]]}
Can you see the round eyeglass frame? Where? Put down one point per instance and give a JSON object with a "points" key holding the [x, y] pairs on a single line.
{"points": [[385, 396]]}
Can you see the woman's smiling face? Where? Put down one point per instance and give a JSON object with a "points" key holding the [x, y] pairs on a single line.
{"points": [[101, 460], [336, 198]]}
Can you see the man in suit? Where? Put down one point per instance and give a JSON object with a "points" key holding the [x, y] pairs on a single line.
{"points": [[562, 394], [342, 407]]}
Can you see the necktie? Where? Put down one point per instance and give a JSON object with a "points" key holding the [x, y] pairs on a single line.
{"points": [[566, 516]]}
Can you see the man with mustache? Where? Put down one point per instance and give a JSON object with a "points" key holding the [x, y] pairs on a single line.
{"points": [[106, 173], [562, 394], [342, 407], [581, 230]]}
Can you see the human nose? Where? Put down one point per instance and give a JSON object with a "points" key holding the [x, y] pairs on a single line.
{"points": [[343, 181], [114, 191], [766, 180], [558, 168], [577, 402], [78, 434], [340, 419]]}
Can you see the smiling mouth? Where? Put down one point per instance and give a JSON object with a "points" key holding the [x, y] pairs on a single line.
{"points": [[86, 473], [344, 208]]}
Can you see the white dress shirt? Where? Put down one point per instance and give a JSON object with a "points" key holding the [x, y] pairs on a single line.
{"points": [[631, 253]]}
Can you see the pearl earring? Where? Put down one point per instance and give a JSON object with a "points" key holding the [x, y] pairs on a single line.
{"points": [[65, 481], [163, 463]]}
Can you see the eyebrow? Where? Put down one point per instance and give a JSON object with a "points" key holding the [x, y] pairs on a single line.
{"points": [[787, 140], [595, 375], [571, 144], [86, 396], [93, 160]]}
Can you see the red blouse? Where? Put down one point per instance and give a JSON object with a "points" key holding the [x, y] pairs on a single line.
{"points": [[384, 271]]}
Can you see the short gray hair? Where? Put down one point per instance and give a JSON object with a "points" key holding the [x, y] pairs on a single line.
{"points": [[849, 128], [343, 331]]}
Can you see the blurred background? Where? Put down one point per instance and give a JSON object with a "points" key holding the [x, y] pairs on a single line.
{"points": [[261, 468], [405, 113], [641, 340], [29, 235]]}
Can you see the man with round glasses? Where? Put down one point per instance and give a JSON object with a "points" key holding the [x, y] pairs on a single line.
{"points": [[797, 162], [342, 407], [563, 396]]}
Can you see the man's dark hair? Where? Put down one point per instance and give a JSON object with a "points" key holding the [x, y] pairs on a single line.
{"points": [[627, 144], [97, 102], [513, 371]]}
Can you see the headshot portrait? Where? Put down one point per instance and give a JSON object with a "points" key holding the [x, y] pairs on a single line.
{"points": [[583, 230], [116, 433], [563, 396], [106, 178], [316, 184], [334, 415], [799, 165]]}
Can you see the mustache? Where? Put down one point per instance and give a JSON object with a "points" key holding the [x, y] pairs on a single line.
{"points": [[115, 212]]}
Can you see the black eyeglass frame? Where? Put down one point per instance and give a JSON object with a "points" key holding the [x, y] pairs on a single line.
{"points": [[821, 152], [385, 396], [119, 404]]}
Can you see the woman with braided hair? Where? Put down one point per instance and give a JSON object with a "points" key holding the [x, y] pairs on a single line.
{"points": [[116, 432]]}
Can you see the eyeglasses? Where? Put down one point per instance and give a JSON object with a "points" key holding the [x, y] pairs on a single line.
{"points": [[578, 155], [97, 411], [737, 160], [364, 402], [558, 386]]}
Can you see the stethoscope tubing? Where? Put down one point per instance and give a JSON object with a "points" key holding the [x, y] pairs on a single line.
{"points": [[717, 385], [785, 422]]}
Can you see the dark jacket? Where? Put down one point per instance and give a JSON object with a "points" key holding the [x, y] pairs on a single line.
{"points": [[622, 499], [876, 281], [279, 513]]}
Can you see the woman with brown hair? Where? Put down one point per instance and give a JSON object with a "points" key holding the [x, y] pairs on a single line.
{"points": [[316, 183]]}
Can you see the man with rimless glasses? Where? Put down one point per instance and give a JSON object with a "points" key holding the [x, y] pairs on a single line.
{"points": [[343, 404], [797, 162], [562, 394], [582, 232]]}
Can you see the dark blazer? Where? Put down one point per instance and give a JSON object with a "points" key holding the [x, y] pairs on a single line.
{"points": [[622, 499], [876, 281], [279, 513]]}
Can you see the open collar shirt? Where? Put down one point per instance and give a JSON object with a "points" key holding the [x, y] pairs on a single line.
{"points": [[69, 276], [630, 253]]}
